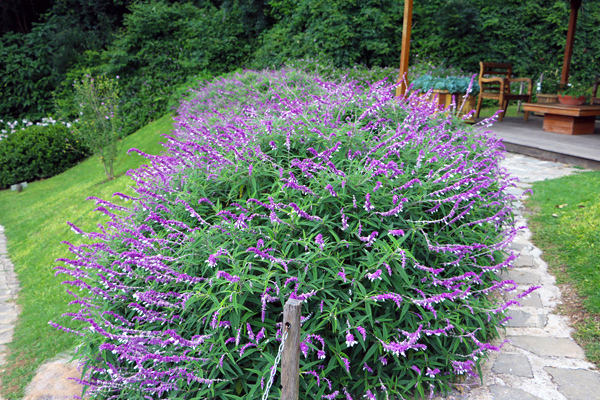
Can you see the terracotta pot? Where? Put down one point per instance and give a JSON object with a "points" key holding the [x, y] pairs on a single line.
{"points": [[571, 101]]}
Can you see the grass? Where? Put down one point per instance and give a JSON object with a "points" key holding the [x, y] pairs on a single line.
{"points": [[487, 112], [566, 227], [35, 224]]}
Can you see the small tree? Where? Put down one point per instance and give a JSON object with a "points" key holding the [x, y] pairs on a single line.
{"points": [[99, 120]]}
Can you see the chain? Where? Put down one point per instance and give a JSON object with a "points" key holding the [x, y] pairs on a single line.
{"points": [[277, 358]]}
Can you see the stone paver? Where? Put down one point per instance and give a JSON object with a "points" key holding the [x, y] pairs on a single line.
{"points": [[548, 346], [523, 261], [523, 277], [576, 384], [53, 381], [514, 364], [507, 393], [524, 319], [532, 300]]}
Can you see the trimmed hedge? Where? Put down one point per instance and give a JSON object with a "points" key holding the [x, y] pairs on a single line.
{"points": [[37, 151]]}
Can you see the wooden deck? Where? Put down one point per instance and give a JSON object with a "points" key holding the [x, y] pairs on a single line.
{"points": [[528, 138]]}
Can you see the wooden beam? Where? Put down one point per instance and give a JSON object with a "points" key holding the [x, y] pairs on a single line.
{"points": [[406, 25], [575, 5], [290, 358]]}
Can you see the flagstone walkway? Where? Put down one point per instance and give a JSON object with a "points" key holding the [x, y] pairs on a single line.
{"points": [[540, 362]]}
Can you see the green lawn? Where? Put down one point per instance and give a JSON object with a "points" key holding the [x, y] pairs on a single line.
{"points": [[566, 226], [35, 224], [512, 111]]}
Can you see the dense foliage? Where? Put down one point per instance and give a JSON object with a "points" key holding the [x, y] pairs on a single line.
{"points": [[162, 46], [387, 219], [158, 46], [29, 152], [26, 78]]}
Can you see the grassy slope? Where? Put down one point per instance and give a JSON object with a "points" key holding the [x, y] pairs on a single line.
{"points": [[566, 226], [34, 222]]}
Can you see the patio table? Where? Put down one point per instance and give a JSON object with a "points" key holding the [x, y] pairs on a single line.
{"points": [[570, 120]]}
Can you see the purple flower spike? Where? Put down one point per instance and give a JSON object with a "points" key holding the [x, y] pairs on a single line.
{"points": [[368, 206], [350, 340], [212, 260], [230, 278], [362, 331], [331, 191], [346, 363], [344, 220], [374, 275], [319, 241]]}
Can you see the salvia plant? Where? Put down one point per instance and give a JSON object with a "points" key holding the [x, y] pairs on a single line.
{"points": [[386, 218]]}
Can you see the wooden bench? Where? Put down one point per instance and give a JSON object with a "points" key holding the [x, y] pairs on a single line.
{"points": [[570, 120]]}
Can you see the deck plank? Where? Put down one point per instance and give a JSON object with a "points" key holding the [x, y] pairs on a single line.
{"points": [[530, 136]]}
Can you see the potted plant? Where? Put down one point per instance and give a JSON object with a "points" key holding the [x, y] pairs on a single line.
{"points": [[572, 94], [447, 88], [547, 87]]}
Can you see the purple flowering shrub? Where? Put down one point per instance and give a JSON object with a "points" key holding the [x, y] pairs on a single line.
{"points": [[386, 218]]}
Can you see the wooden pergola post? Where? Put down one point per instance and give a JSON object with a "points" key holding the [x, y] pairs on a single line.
{"points": [[406, 25], [575, 5]]}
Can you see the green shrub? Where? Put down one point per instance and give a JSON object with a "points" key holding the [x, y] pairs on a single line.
{"points": [[38, 151], [387, 219]]}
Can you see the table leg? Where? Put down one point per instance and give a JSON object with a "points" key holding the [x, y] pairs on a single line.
{"points": [[569, 125]]}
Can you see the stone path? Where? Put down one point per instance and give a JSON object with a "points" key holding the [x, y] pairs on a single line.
{"points": [[9, 287], [540, 362]]}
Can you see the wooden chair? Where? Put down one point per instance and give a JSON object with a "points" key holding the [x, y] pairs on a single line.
{"points": [[595, 100], [494, 81]]}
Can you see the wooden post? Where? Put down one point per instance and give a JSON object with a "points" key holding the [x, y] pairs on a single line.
{"points": [[520, 92], [290, 358], [564, 78], [406, 25]]}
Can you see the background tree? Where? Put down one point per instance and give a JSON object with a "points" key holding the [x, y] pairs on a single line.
{"points": [[99, 121]]}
